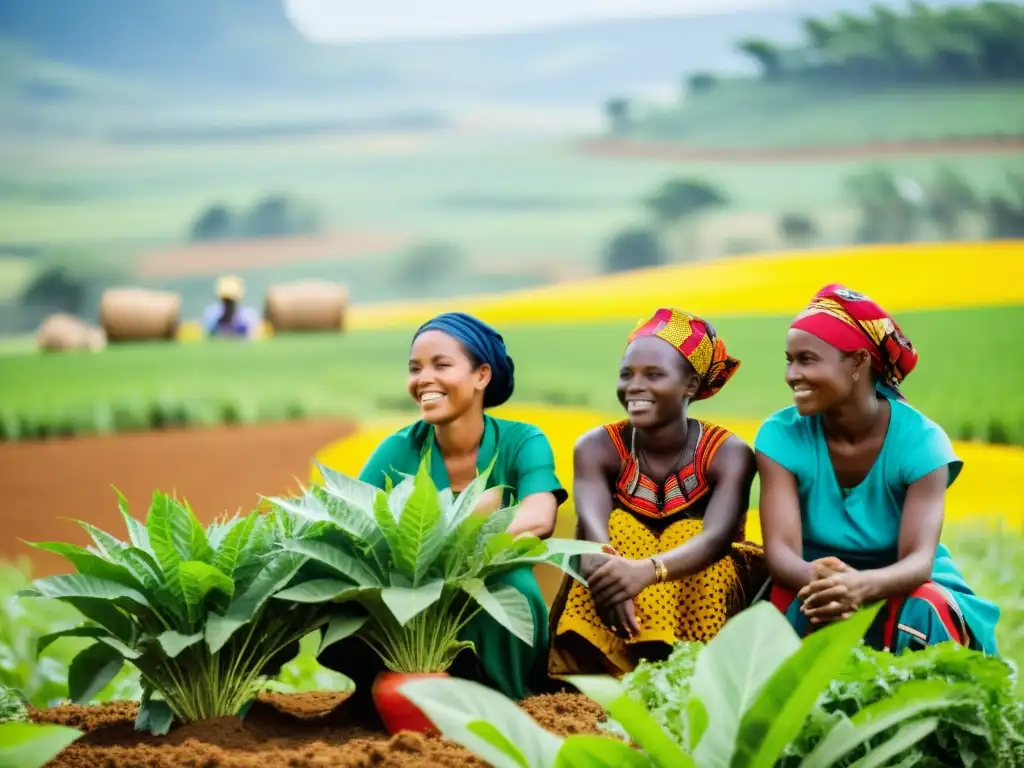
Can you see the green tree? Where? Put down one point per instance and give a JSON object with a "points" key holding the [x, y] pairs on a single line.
{"points": [[634, 248]]}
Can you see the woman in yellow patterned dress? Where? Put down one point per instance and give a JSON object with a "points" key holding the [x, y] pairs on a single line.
{"points": [[668, 495]]}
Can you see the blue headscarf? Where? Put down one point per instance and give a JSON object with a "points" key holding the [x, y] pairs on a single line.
{"points": [[485, 344]]}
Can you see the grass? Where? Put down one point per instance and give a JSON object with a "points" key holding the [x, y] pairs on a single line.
{"points": [[958, 381], [748, 113]]}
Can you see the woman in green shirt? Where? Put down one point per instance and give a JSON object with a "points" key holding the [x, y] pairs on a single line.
{"points": [[458, 368]]}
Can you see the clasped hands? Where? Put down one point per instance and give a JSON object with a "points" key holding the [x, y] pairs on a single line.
{"points": [[836, 590], [614, 582]]}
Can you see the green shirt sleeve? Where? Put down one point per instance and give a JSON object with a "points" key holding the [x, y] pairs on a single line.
{"points": [[387, 460], [535, 468]]}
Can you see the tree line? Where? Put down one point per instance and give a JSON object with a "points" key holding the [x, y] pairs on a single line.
{"points": [[918, 46]]}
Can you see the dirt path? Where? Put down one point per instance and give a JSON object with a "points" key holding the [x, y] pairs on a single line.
{"points": [[217, 470], [666, 150], [214, 258], [284, 731]]}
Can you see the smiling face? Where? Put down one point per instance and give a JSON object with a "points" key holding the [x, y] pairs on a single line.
{"points": [[820, 375], [443, 379], [654, 381]]}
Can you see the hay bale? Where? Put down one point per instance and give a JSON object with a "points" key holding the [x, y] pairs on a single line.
{"points": [[62, 333], [306, 306], [137, 314]]}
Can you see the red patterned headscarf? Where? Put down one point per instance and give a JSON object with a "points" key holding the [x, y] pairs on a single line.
{"points": [[850, 321], [697, 341]]}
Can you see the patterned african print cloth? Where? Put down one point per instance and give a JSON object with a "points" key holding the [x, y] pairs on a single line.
{"points": [[849, 321], [697, 341], [692, 609]]}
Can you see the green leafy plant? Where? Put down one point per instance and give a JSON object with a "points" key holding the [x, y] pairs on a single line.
{"points": [[33, 745], [411, 565], [752, 688], [187, 606]]}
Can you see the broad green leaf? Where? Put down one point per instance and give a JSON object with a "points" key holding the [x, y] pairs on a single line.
{"points": [[85, 562], [80, 585], [507, 605], [904, 739], [106, 543], [453, 705], [362, 529], [399, 495], [143, 566], [732, 670], [458, 550], [137, 533], [361, 495], [586, 750], [122, 648], [174, 643], [315, 591], [337, 559], [469, 497], [418, 542], [170, 535], [274, 576], [308, 507], [642, 728], [780, 709], [496, 739], [197, 580], [346, 621], [33, 745], [496, 523], [907, 701], [385, 519], [199, 548], [85, 631], [154, 716], [91, 670], [405, 602], [105, 613], [232, 546]]}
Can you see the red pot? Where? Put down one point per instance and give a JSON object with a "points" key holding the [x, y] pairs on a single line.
{"points": [[397, 712]]}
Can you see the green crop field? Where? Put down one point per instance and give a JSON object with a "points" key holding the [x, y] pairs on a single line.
{"points": [[363, 373], [748, 113], [496, 198]]}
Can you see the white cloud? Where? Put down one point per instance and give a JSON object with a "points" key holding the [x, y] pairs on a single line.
{"points": [[381, 20]]}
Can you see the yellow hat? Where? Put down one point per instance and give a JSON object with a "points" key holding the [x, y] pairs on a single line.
{"points": [[230, 287]]}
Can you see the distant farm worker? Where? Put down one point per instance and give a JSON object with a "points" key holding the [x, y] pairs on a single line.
{"points": [[228, 317], [853, 485], [458, 368], [668, 494]]}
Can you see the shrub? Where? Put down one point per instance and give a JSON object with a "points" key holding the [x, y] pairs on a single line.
{"points": [[186, 606], [217, 222]]}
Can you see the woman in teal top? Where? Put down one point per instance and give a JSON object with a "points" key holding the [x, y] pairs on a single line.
{"points": [[853, 483], [458, 367]]}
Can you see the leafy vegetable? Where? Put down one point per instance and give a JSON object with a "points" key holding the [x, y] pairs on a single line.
{"points": [[981, 725], [187, 606], [410, 566], [759, 704], [33, 745]]}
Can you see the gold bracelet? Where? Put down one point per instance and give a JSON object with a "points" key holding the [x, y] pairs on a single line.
{"points": [[660, 571]]}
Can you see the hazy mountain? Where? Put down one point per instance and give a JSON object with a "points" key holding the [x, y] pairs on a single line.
{"points": [[203, 50]]}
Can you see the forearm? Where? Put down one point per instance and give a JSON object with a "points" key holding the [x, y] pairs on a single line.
{"points": [[900, 578], [695, 555], [538, 522], [787, 569], [594, 527]]}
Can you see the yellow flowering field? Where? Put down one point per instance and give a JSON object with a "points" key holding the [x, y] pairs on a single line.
{"points": [[903, 278], [982, 492]]}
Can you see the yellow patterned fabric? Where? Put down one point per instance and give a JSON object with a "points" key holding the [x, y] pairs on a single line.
{"points": [[690, 609]]}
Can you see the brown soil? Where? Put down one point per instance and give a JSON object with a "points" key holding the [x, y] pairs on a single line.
{"points": [[282, 731], [217, 258], [217, 470], [665, 150]]}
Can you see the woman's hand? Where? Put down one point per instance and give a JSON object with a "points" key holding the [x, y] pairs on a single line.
{"points": [[837, 591], [621, 619], [620, 579]]}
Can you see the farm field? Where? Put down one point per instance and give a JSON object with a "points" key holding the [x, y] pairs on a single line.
{"points": [[543, 197]]}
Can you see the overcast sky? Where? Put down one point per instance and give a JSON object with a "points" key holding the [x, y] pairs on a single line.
{"points": [[377, 20]]}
